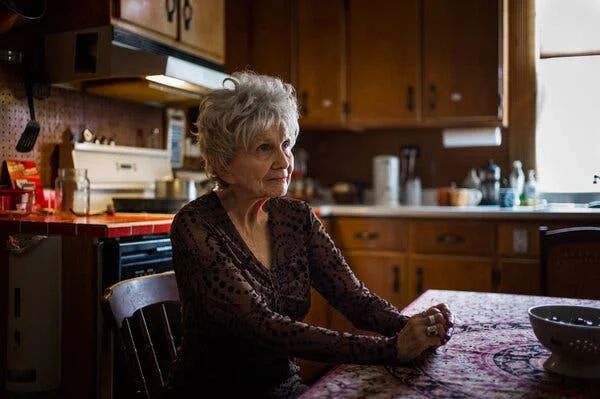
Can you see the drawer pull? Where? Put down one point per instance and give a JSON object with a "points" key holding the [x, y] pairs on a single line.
{"points": [[396, 284], [450, 239], [419, 280], [369, 236]]}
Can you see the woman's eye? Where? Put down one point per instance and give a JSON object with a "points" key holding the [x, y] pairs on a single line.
{"points": [[286, 144], [264, 147]]}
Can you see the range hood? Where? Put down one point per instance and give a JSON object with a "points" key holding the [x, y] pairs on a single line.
{"points": [[114, 62]]}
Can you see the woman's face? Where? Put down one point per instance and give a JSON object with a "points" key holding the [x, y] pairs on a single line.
{"points": [[265, 168]]}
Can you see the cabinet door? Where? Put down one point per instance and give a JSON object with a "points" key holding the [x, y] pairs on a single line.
{"points": [[147, 14], [448, 273], [382, 273], [202, 25], [461, 56], [518, 276], [383, 61], [321, 70]]}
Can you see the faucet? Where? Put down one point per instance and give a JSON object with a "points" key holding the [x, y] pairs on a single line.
{"points": [[596, 178]]}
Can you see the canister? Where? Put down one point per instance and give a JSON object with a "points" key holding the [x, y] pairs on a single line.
{"points": [[386, 180]]}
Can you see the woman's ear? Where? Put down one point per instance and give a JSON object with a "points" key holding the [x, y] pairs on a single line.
{"points": [[226, 176]]}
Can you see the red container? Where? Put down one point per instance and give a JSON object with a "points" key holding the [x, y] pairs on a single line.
{"points": [[16, 200]]}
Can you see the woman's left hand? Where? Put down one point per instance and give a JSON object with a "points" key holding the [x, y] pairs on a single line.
{"points": [[440, 314]]}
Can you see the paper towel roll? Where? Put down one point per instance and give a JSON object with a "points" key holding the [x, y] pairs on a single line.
{"points": [[472, 137]]}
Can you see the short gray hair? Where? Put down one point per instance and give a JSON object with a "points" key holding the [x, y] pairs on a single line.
{"points": [[230, 118]]}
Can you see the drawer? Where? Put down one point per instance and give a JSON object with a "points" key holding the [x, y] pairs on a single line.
{"points": [[370, 233], [452, 237]]}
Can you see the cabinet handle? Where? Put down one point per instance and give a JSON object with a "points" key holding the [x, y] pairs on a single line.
{"points": [[432, 97], [170, 7], [450, 239], [187, 14], [410, 99], [304, 104], [369, 236], [419, 280], [396, 283]]}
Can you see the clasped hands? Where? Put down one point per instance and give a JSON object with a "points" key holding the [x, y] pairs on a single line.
{"points": [[428, 329]]}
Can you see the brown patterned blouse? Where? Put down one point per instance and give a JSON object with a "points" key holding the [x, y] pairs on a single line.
{"points": [[242, 322]]}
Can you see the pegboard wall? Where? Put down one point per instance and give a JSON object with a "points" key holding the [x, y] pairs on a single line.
{"points": [[65, 112]]}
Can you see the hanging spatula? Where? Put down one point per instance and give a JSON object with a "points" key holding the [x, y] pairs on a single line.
{"points": [[30, 134]]}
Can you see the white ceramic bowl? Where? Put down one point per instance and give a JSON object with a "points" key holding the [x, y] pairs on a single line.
{"points": [[572, 334]]}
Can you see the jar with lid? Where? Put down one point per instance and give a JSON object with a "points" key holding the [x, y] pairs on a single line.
{"points": [[72, 189]]}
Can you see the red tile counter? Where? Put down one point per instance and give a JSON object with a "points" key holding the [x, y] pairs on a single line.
{"points": [[103, 226]]}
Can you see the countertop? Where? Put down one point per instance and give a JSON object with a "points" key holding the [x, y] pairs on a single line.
{"points": [[545, 212], [102, 226], [132, 224]]}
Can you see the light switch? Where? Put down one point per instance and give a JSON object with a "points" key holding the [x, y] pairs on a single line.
{"points": [[520, 241]]}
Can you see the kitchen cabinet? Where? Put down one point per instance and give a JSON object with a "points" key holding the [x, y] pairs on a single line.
{"points": [[193, 26], [384, 50], [385, 63], [454, 254], [462, 70], [321, 81], [518, 249], [375, 250]]}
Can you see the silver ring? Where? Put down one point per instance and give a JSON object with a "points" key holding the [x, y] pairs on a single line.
{"points": [[431, 331], [431, 319]]}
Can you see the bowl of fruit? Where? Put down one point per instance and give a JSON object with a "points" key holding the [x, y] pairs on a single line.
{"points": [[572, 334]]}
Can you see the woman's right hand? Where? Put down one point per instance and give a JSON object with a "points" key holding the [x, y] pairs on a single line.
{"points": [[429, 329]]}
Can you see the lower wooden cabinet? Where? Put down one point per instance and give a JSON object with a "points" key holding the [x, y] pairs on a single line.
{"points": [[518, 276], [448, 272]]}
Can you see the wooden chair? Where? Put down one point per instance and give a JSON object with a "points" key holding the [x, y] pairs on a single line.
{"points": [[145, 314], [570, 262]]}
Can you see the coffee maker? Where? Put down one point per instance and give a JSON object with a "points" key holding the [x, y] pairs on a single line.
{"points": [[490, 183]]}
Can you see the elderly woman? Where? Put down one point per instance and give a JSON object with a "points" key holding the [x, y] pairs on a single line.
{"points": [[246, 257]]}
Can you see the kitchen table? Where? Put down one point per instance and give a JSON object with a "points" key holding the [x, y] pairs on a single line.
{"points": [[492, 354]]}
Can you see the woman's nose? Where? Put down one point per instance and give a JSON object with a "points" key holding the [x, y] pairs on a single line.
{"points": [[283, 159]]}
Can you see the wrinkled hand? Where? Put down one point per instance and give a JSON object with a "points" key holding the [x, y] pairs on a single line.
{"points": [[413, 339]]}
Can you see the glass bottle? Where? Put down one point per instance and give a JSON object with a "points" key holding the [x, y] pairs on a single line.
{"points": [[72, 189], [530, 191], [517, 180]]}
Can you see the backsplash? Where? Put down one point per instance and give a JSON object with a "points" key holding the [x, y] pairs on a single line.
{"points": [[348, 155], [66, 111]]}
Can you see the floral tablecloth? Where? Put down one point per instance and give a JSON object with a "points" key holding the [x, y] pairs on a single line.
{"points": [[492, 354]]}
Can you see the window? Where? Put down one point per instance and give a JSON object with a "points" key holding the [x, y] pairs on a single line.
{"points": [[568, 78]]}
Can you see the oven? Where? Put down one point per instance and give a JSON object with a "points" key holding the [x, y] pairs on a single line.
{"points": [[127, 257]]}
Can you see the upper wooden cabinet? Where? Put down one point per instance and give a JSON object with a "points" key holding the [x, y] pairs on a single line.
{"points": [[383, 63], [193, 26], [462, 70], [196, 24], [321, 84]]}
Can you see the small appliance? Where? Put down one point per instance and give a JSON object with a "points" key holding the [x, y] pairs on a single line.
{"points": [[386, 180]]}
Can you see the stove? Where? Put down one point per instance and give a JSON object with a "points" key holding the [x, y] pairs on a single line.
{"points": [[125, 174]]}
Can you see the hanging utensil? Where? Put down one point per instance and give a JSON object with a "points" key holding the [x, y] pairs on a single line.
{"points": [[32, 130]]}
